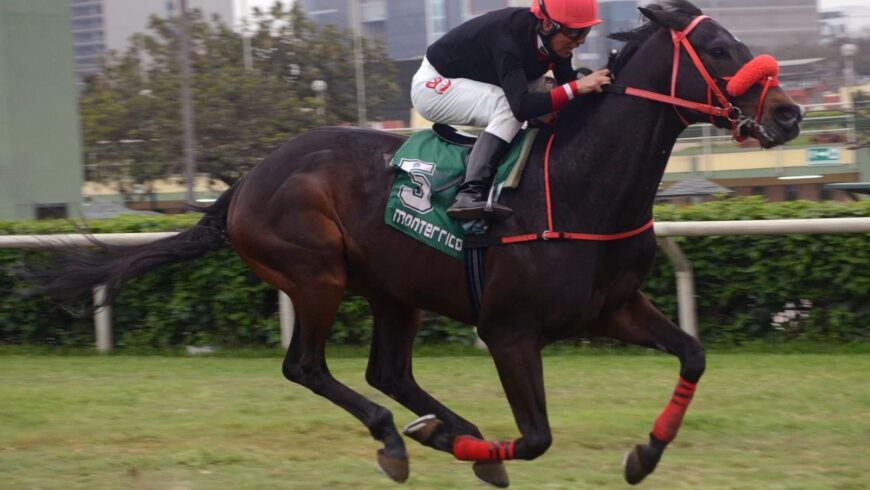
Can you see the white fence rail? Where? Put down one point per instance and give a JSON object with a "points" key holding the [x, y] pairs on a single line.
{"points": [[664, 230]]}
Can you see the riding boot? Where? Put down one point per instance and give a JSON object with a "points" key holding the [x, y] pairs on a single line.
{"points": [[471, 202]]}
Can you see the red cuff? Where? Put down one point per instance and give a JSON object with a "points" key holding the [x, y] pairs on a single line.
{"points": [[563, 94]]}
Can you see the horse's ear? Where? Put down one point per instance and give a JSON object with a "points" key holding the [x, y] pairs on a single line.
{"points": [[666, 18]]}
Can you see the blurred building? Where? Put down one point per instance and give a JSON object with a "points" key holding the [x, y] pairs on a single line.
{"points": [[800, 170], [834, 26], [102, 25], [89, 35], [40, 151], [766, 24], [616, 16], [408, 28], [849, 21], [806, 80]]}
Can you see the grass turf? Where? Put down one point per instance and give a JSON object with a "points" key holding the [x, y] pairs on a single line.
{"points": [[789, 421]]}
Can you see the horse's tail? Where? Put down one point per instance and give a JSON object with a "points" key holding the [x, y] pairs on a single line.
{"points": [[76, 272]]}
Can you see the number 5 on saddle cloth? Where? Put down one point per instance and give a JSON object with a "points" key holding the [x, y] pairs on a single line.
{"points": [[431, 166]]}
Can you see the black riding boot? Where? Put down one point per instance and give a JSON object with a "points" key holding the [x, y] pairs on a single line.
{"points": [[470, 203]]}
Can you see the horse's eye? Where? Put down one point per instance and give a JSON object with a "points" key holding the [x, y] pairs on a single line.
{"points": [[718, 52]]}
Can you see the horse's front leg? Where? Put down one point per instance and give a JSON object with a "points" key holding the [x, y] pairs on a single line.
{"points": [[642, 324], [519, 365]]}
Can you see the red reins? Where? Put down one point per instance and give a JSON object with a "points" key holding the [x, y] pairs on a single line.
{"points": [[762, 69], [551, 234]]}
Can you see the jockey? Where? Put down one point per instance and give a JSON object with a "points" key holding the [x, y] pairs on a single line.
{"points": [[489, 72]]}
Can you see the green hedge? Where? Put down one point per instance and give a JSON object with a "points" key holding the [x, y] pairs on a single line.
{"points": [[741, 283]]}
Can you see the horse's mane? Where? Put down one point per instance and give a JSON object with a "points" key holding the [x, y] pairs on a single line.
{"points": [[635, 38], [580, 108]]}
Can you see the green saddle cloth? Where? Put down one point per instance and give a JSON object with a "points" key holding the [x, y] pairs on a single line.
{"points": [[430, 171]]}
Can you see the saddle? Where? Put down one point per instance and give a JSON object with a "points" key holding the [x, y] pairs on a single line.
{"points": [[431, 165], [453, 136]]}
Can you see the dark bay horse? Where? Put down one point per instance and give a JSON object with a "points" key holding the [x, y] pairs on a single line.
{"points": [[309, 221]]}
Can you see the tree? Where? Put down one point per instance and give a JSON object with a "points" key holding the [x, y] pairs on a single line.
{"points": [[302, 51], [131, 109]]}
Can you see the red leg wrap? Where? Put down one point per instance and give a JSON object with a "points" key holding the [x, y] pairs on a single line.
{"points": [[468, 448], [668, 422]]}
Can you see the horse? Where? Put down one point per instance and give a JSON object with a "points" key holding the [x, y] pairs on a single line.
{"points": [[309, 221]]}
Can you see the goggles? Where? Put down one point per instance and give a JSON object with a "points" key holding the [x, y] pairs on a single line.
{"points": [[573, 34]]}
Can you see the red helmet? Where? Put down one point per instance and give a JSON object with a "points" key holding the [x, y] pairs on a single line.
{"points": [[572, 14]]}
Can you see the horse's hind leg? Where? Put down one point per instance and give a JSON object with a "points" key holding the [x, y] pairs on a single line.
{"points": [[305, 363], [316, 307], [390, 371], [642, 324]]}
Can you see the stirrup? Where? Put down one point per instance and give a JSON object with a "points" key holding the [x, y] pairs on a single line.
{"points": [[478, 209], [493, 212]]}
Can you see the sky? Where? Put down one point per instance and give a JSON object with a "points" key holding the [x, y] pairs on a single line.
{"points": [[823, 4], [830, 4], [263, 4]]}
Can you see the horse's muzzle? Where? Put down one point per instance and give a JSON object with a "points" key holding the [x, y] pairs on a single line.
{"points": [[781, 125], [788, 117]]}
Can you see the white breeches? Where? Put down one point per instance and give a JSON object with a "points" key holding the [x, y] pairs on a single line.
{"points": [[464, 102]]}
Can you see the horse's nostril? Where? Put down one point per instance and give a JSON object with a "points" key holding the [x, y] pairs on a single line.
{"points": [[788, 114]]}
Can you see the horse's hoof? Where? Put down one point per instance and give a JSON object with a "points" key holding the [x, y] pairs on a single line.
{"points": [[395, 468], [422, 429], [492, 473], [640, 462]]}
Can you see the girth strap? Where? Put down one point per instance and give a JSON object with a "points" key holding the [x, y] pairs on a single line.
{"points": [[482, 241], [474, 274]]}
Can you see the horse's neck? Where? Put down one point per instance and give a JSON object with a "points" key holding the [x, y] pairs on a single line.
{"points": [[612, 163]]}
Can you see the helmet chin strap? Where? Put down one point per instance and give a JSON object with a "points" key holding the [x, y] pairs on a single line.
{"points": [[545, 38]]}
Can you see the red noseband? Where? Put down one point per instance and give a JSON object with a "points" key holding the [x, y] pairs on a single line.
{"points": [[761, 69]]}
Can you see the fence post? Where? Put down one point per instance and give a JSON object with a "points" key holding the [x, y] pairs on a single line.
{"points": [[102, 320], [286, 318], [685, 285]]}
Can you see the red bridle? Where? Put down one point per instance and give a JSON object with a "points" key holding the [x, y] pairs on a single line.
{"points": [[763, 70]]}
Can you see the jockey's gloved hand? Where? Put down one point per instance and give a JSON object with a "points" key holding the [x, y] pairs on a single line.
{"points": [[593, 81], [586, 85], [583, 71]]}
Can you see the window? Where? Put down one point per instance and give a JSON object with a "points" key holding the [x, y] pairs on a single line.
{"points": [[89, 23], [825, 193], [791, 193], [86, 10], [483, 6], [89, 37], [51, 211], [437, 21], [757, 190], [373, 10]]}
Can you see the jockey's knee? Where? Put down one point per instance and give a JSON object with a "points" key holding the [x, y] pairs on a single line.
{"points": [[503, 123], [533, 446]]}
